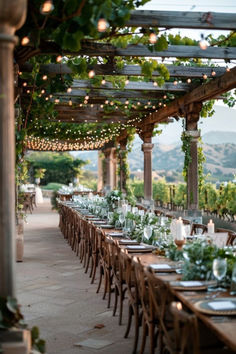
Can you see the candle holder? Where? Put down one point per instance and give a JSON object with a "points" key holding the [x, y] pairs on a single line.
{"points": [[179, 244]]}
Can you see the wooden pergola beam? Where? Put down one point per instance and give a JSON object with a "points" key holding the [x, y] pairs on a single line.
{"points": [[179, 19], [95, 49], [133, 85], [128, 70], [111, 94], [200, 94]]}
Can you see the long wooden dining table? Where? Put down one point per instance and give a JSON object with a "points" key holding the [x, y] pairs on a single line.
{"points": [[224, 326]]}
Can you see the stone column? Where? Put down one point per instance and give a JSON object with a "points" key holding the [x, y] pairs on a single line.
{"points": [[122, 155], [12, 16], [110, 168], [147, 170], [100, 172], [192, 176]]}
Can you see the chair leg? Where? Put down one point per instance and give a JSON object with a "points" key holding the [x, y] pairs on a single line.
{"points": [[136, 335], [144, 337], [151, 337], [116, 300], [129, 322], [94, 270], [100, 279]]}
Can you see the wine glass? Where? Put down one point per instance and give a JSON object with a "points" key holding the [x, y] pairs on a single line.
{"points": [[147, 232], [219, 268], [121, 219], [110, 216]]}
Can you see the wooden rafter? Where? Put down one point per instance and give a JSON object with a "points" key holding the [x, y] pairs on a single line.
{"points": [[186, 19], [129, 70], [202, 93], [95, 49]]}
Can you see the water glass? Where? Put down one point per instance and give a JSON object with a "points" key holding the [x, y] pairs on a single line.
{"points": [[147, 232], [219, 268], [233, 281]]}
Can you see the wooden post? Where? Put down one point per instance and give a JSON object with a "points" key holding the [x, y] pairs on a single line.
{"points": [[110, 179], [192, 118], [100, 172], [122, 154], [12, 16], [147, 147]]}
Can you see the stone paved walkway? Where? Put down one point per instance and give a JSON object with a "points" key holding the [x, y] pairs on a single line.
{"points": [[56, 294]]}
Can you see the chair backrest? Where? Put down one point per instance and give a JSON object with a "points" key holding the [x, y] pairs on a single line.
{"points": [[186, 333], [198, 228], [231, 236], [130, 277]]}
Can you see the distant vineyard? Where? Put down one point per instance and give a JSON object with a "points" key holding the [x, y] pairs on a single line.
{"points": [[219, 202]]}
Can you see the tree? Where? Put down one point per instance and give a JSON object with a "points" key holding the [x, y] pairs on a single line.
{"points": [[60, 167]]}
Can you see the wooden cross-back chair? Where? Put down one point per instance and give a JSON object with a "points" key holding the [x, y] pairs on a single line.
{"points": [[134, 303], [201, 228], [231, 236]]}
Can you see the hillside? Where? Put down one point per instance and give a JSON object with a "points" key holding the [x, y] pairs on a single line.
{"points": [[168, 159]]}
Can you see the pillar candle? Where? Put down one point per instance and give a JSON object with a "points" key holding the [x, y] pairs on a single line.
{"points": [[179, 229], [211, 227]]}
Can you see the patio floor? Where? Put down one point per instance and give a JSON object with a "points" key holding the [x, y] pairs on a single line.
{"points": [[56, 294]]}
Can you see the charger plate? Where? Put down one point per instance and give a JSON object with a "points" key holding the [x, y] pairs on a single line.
{"points": [[128, 242], [204, 306], [107, 226], [193, 285], [162, 268], [138, 249]]}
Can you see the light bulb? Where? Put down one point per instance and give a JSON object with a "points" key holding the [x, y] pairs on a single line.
{"points": [[138, 103], [175, 82], [160, 104], [154, 83], [203, 43], [213, 73], [59, 58], [86, 97], [111, 103], [24, 84], [102, 25], [42, 91], [227, 69], [204, 76], [70, 102], [45, 77], [152, 38], [189, 81], [69, 89], [25, 40], [57, 100], [165, 97], [85, 101], [101, 106], [46, 7], [106, 102], [149, 103], [46, 98], [91, 74], [103, 81], [127, 102], [126, 107], [127, 81]]}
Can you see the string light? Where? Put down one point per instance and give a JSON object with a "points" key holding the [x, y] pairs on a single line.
{"points": [[204, 76], [103, 81], [227, 69], [25, 40], [165, 97], [102, 25], [24, 84], [155, 83], [57, 100], [152, 38], [45, 77], [127, 102], [138, 103], [91, 74], [213, 73], [59, 58], [203, 43], [69, 89], [28, 91], [149, 103], [189, 81], [46, 7], [101, 106], [127, 81], [106, 102], [42, 91], [86, 97], [70, 102], [85, 101], [91, 105], [175, 82]]}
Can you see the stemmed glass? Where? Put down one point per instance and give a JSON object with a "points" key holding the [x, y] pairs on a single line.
{"points": [[121, 219], [147, 232], [110, 216], [219, 268]]}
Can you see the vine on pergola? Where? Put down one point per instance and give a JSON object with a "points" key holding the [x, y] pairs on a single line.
{"points": [[64, 30]]}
